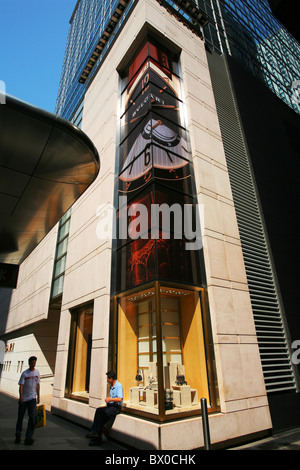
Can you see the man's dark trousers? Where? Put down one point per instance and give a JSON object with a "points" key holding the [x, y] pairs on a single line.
{"points": [[30, 406], [104, 414]]}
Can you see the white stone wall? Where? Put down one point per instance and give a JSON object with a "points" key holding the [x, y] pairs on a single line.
{"points": [[29, 302]]}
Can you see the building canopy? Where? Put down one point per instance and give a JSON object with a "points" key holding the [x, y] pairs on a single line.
{"points": [[46, 163]]}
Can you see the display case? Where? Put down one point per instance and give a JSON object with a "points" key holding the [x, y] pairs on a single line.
{"points": [[161, 353]]}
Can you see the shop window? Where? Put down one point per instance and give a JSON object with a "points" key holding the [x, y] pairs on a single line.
{"points": [[161, 353], [78, 375]]}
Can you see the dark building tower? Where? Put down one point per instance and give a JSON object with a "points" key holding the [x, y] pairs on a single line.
{"points": [[254, 61]]}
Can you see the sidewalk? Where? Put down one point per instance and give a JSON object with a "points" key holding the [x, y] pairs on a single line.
{"points": [[58, 434], [284, 440]]}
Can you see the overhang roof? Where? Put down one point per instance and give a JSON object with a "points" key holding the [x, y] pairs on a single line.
{"points": [[46, 163]]}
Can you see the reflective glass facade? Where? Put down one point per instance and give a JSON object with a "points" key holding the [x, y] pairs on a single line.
{"points": [[94, 26], [89, 21], [248, 30]]}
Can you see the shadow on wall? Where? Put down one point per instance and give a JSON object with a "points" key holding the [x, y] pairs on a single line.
{"points": [[5, 299], [45, 333]]}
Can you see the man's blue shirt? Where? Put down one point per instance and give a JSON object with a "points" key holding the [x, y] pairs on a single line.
{"points": [[116, 391]]}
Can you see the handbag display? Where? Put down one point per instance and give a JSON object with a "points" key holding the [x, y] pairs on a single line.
{"points": [[40, 416]]}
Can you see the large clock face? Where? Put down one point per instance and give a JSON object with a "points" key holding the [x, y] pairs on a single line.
{"points": [[165, 151]]}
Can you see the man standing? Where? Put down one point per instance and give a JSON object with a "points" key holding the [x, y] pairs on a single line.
{"points": [[112, 408], [29, 390]]}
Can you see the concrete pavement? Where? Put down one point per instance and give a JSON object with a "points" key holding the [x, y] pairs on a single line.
{"points": [[61, 434], [58, 434], [288, 439]]}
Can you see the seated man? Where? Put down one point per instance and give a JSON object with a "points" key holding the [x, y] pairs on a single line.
{"points": [[112, 408]]}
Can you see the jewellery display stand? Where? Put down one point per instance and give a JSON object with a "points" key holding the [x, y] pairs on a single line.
{"points": [[147, 394], [183, 394]]}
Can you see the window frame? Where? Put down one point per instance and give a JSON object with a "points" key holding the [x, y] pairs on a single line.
{"points": [[74, 316], [213, 400]]}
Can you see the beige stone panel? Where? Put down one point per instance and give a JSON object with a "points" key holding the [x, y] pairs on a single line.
{"points": [[207, 144], [87, 210], [101, 321], [252, 370], [64, 329], [186, 434], [217, 427], [195, 65], [87, 233], [29, 302], [222, 183], [244, 313], [235, 263], [164, 22], [218, 216], [60, 376], [215, 258], [202, 95], [256, 402], [204, 117], [101, 100], [241, 371], [103, 129], [205, 176], [238, 424], [232, 372], [86, 244], [248, 422], [78, 411], [98, 379], [236, 405], [222, 308], [135, 432], [88, 277], [229, 221]]}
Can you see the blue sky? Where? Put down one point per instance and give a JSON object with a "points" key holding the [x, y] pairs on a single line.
{"points": [[33, 35]]}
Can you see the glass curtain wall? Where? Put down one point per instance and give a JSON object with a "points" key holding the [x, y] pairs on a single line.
{"points": [[248, 31]]}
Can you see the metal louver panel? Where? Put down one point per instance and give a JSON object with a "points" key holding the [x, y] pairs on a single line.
{"points": [[271, 334]]}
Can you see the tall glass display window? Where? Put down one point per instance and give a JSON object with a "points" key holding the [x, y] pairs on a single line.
{"points": [[161, 345]]}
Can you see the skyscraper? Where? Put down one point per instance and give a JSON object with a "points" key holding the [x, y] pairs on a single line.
{"points": [[165, 269], [250, 33]]}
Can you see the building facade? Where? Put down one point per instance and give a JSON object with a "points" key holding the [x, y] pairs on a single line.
{"points": [[149, 273]]}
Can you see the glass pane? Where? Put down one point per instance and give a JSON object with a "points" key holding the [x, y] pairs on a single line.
{"points": [[62, 247], [60, 266], [137, 366], [184, 360], [82, 352], [64, 230], [58, 285]]}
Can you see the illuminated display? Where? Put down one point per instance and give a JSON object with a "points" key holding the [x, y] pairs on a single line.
{"points": [[154, 168]]}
